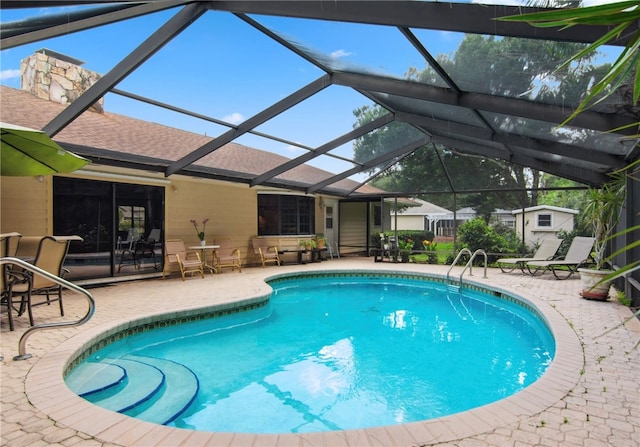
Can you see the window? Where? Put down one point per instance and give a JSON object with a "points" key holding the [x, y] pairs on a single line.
{"points": [[544, 220], [131, 216], [285, 214], [377, 215]]}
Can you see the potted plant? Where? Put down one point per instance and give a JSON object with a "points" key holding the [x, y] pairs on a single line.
{"points": [[201, 234], [307, 244], [405, 249], [602, 212], [321, 241]]}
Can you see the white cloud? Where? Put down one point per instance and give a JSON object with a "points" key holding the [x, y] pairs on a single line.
{"points": [[293, 149], [234, 118], [9, 74], [340, 53]]}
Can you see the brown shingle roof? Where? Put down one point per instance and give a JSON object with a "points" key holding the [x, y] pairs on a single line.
{"points": [[121, 134]]}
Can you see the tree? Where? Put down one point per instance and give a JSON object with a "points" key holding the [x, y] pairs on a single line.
{"points": [[509, 66], [563, 196], [623, 74]]}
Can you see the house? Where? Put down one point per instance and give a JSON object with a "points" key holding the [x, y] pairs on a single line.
{"points": [[535, 223], [424, 216], [501, 216], [125, 187]]}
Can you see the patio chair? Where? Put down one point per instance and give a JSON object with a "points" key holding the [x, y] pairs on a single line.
{"points": [[227, 255], [546, 251], [175, 253], [578, 255], [127, 250], [5, 294], [10, 243], [133, 234], [8, 247], [50, 258], [268, 253], [146, 248], [27, 248], [154, 238]]}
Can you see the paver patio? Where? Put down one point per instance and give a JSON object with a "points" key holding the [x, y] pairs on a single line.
{"points": [[590, 398]]}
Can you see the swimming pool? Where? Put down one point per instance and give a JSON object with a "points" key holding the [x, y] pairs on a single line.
{"points": [[321, 384]]}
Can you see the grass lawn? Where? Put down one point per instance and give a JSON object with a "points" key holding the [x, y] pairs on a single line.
{"points": [[443, 251]]}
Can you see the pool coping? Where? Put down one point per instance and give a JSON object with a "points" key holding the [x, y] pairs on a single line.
{"points": [[47, 391]]}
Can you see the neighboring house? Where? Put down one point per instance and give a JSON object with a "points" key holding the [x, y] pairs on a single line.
{"points": [[465, 214], [504, 217], [539, 222], [430, 217], [105, 199], [424, 216]]}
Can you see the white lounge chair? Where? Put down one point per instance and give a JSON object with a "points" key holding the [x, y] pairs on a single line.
{"points": [[546, 251], [579, 254]]}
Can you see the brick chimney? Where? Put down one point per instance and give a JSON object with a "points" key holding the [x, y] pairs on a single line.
{"points": [[57, 77]]}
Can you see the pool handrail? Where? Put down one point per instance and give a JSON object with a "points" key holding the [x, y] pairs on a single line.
{"points": [[22, 355], [455, 261], [469, 263]]}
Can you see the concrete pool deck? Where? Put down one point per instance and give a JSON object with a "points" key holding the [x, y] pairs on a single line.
{"points": [[590, 396]]}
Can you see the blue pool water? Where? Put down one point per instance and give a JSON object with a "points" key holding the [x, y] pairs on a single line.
{"points": [[330, 353]]}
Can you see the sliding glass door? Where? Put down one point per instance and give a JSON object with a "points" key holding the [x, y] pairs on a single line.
{"points": [[104, 214]]}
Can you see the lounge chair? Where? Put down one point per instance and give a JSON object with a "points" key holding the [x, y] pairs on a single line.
{"points": [[227, 255], [546, 251], [578, 255], [268, 253], [50, 258], [175, 253]]}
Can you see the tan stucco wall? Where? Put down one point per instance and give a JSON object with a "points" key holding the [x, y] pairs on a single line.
{"points": [[408, 222], [25, 205], [230, 208], [532, 235]]}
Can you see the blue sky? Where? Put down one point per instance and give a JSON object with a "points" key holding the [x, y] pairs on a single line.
{"points": [[223, 68]]}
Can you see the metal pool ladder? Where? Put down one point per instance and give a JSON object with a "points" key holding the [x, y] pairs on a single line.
{"points": [[22, 355], [468, 265]]}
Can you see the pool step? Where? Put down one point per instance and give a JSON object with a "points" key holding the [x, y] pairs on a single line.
{"points": [[143, 382], [92, 378], [180, 389], [147, 388]]}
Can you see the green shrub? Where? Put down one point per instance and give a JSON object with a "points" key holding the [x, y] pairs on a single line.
{"points": [[475, 234]]}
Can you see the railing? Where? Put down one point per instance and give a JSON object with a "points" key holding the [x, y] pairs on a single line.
{"points": [[468, 265], [22, 355]]}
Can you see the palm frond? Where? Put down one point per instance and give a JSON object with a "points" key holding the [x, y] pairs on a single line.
{"points": [[621, 14]]}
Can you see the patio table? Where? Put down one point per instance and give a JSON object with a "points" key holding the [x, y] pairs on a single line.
{"points": [[203, 255]]}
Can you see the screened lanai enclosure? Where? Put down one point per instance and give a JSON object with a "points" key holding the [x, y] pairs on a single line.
{"points": [[441, 101]]}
